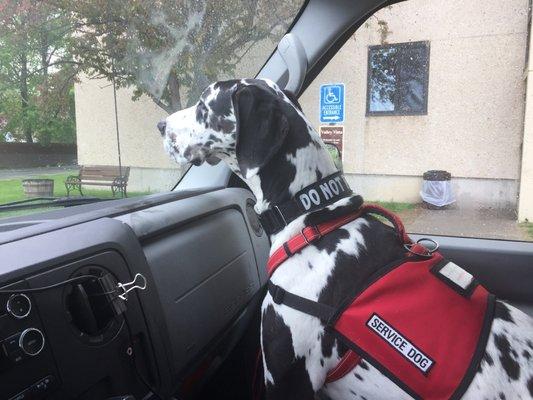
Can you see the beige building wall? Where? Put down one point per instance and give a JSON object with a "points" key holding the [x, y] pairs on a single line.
{"points": [[474, 124], [525, 208], [141, 144]]}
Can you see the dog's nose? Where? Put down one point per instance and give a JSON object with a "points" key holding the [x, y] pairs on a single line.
{"points": [[161, 125]]}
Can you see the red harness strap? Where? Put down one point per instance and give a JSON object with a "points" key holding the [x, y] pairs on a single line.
{"points": [[312, 233], [348, 362]]}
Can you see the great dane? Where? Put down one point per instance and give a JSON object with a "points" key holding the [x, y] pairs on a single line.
{"points": [[263, 136]]}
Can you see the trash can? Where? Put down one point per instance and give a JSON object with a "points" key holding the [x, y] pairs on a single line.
{"points": [[436, 190], [38, 187]]}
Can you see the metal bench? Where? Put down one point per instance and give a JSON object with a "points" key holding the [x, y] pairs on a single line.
{"points": [[100, 175]]}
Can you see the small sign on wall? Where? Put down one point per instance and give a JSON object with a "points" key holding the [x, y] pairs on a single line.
{"points": [[333, 134], [332, 103]]}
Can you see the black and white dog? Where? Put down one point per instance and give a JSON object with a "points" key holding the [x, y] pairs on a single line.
{"points": [[265, 139]]}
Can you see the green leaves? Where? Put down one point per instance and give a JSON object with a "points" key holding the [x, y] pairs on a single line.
{"points": [[169, 50], [37, 72]]}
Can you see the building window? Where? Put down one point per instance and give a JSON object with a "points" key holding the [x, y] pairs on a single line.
{"points": [[398, 79]]}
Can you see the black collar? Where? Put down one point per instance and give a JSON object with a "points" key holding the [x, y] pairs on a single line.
{"points": [[311, 198]]}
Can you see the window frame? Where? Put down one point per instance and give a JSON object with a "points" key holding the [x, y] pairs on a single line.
{"points": [[401, 46]]}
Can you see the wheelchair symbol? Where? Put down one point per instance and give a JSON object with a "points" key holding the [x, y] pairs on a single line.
{"points": [[332, 95]]}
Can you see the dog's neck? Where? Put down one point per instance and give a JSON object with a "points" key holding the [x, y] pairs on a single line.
{"points": [[301, 161]]}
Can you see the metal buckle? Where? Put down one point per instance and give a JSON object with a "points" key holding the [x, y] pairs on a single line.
{"points": [[129, 286], [319, 235], [408, 247]]}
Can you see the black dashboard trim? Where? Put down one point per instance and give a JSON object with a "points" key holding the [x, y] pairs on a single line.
{"points": [[88, 213]]}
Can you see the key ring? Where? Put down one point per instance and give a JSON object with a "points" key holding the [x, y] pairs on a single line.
{"points": [[435, 247]]}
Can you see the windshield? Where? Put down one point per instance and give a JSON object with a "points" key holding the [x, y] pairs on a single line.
{"points": [[429, 105], [83, 84]]}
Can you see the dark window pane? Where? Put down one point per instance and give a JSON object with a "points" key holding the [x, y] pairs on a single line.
{"points": [[397, 79], [383, 82], [413, 79]]}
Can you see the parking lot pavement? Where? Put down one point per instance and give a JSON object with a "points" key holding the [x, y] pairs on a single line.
{"points": [[479, 223], [29, 172]]}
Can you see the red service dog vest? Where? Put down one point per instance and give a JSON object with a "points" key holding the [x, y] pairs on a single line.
{"points": [[422, 321]]}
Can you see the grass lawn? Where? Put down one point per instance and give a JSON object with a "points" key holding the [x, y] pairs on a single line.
{"points": [[527, 227], [395, 207], [11, 190]]}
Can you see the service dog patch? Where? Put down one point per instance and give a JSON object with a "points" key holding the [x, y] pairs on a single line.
{"points": [[401, 344]]}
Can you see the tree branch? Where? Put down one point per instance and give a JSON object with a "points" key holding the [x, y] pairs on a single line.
{"points": [[161, 104], [62, 62]]}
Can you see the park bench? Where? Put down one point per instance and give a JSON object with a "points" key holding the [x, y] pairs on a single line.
{"points": [[100, 175]]}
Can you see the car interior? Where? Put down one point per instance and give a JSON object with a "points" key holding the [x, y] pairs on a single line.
{"points": [[190, 265]]}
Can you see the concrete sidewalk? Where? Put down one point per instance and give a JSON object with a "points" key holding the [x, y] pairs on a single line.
{"points": [[478, 223], [31, 172]]}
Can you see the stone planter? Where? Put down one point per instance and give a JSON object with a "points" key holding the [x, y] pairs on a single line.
{"points": [[38, 187]]}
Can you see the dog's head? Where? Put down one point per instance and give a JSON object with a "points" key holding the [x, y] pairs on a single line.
{"points": [[244, 122]]}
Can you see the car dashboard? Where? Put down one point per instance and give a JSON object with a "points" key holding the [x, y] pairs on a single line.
{"points": [[173, 283]]}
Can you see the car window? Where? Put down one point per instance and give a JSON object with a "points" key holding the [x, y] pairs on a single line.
{"points": [[83, 84], [429, 104]]}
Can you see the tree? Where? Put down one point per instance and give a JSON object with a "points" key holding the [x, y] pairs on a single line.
{"points": [[36, 71], [169, 50]]}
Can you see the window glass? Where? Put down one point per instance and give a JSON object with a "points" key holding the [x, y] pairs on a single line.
{"points": [[382, 80], [83, 84], [397, 78], [438, 115]]}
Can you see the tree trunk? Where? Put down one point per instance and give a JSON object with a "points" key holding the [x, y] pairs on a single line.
{"points": [[173, 87], [45, 135], [43, 50], [24, 96]]}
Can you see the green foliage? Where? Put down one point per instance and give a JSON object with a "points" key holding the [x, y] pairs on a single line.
{"points": [[394, 206], [171, 49], [37, 72], [527, 227], [335, 154]]}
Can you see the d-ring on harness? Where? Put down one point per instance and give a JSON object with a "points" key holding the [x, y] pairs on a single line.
{"points": [[406, 320]]}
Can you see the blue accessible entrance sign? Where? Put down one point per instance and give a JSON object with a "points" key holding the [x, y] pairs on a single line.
{"points": [[332, 103]]}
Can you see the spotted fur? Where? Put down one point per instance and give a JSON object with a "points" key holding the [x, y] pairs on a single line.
{"points": [[265, 139]]}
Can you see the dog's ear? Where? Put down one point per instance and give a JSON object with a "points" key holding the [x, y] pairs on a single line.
{"points": [[292, 97], [261, 127]]}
